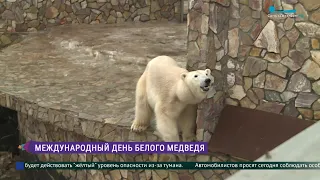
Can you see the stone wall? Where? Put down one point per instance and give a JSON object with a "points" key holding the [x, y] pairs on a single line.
{"points": [[260, 61], [33, 15], [208, 24], [7, 166], [43, 124], [38, 130]]}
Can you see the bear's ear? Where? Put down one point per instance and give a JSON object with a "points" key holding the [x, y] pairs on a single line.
{"points": [[208, 71], [183, 76]]}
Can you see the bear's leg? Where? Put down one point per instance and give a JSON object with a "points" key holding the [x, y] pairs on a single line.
{"points": [[143, 112], [166, 125], [187, 123]]}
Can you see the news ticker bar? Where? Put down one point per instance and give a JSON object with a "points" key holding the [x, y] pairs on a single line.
{"points": [[166, 165], [35, 147]]}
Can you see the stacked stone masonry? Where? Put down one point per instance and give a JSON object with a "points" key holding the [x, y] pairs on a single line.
{"points": [[261, 62], [33, 15], [43, 118], [7, 166], [41, 124]]}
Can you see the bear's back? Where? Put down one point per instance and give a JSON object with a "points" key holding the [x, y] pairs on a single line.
{"points": [[160, 61], [163, 74]]}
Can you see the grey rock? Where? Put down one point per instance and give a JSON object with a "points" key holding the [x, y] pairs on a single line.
{"points": [[144, 18], [272, 96], [268, 38], [295, 60], [310, 4], [311, 69], [287, 96], [288, 24], [315, 17], [303, 14], [290, 63], [275, 83], [253, 66], [259, 92], [8, 15], [233, 36], [293, 36], [247, 103], [273, 107], [278, 69], [284, 46], [299, 83], [252, 96], [19, 15], [305, 100], [272, 57], [258, 82], [5, 40], [237, 92], [316, 87], [290, 109], [309, 29], [218, 17], [316, 105], [303, 43], [315, 56]]}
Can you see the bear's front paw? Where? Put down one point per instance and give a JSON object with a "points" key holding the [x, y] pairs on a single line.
{"points": [[136, 127], [189, 139]]}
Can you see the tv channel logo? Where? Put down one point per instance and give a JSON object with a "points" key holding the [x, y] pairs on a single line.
{"points": [[283, 13]]}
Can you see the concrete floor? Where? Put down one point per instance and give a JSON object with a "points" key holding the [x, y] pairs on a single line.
{"points": [[90, 70]]}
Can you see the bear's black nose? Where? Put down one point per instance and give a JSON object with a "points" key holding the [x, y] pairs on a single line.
{"points": [[207, 81]]}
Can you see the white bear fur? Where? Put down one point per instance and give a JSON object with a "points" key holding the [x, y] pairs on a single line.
{"points": [[171, 93]]}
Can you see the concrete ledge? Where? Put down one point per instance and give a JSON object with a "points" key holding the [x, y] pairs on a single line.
{"points": [[69, 79], [301, 148]]}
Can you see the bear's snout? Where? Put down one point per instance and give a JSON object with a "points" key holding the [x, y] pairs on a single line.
{"points": [[207, 81]]}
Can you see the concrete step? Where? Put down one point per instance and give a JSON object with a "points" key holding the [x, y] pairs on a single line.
{"points": [[88, 70]]}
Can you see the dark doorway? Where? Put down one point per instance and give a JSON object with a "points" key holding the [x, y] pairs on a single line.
{"points": [[9, 131], [9, 141]]}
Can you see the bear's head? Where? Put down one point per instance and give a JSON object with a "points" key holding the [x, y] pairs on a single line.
{"points": [[200, 82]]}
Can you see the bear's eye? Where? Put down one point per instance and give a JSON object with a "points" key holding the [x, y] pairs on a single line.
{"points": [[206, 74], [195, 76]]}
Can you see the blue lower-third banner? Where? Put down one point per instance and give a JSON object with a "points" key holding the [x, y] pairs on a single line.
{"points": [[166, 165]]}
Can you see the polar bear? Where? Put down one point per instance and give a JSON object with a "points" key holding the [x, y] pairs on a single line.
{"points": [[171, 93]]}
